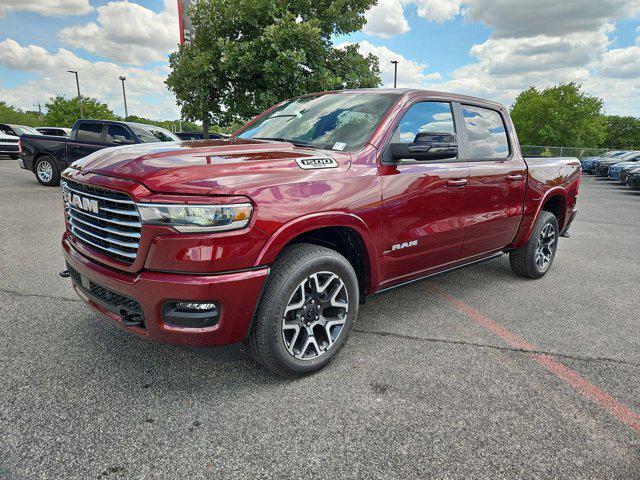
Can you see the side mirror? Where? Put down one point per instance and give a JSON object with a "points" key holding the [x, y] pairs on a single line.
{"points": [[121, 139], [427, 146]]}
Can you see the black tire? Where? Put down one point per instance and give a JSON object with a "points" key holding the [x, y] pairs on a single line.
{"points": [[42, 165], [524, 261], [14, 157], [295, 265]]}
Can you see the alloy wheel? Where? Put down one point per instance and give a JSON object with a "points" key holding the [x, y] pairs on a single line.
{"points": [[45, 171], [315, 315], [546, 246]]}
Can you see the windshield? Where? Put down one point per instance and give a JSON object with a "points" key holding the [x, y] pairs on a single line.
{"points": [[152, 134], [22, 130], [338, 121], [629, 155]]}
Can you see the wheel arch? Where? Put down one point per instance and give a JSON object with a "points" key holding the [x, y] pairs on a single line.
{"points": [[345, 233], [556, 203], [39, 155]]}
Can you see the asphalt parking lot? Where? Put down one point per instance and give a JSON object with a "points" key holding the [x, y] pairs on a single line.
{"points": [[474, 374]]}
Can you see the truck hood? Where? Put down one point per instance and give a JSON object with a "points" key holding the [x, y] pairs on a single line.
{"points": [[226, 166]]}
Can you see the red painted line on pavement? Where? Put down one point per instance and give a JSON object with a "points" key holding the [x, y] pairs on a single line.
{"points": [[572, 378]]}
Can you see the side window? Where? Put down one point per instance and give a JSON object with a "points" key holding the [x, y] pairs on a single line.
{"points": [[487, 135], [435, 117], [118, 130], [7, 130], [89, 132]]}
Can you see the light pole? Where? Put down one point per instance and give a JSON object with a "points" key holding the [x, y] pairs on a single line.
{"points": [[77, 85], [124, 95], [39, 112], [395, 73]]}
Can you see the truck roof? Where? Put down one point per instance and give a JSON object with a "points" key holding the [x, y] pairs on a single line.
{"points": [[414, 91]]}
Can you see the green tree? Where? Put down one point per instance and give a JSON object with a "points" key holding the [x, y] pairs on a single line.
{"points": [[247, 55], [17, 116], [64, 113], [559, 116], [622, 132], [196, 84]]}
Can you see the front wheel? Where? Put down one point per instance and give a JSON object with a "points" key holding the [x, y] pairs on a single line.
{"points": [[307, 311], [534, 259], [47, 172]]}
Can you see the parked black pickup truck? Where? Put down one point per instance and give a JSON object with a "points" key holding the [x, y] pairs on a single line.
{"points": [[47, 155]]}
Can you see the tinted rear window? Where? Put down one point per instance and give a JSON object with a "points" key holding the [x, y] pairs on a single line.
{"points": [[89, 132]]}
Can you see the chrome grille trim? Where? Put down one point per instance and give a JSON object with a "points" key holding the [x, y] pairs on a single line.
{"points": [[86, 194], [114, 228], [111, 220], [106, 249], [107, 239], [106, 229], [121, 212]]}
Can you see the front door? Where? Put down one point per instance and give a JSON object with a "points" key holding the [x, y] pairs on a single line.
{"points": [[424, 202], [497, 177]]}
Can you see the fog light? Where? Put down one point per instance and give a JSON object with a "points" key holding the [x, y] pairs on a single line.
{"points": [[190, 314], [195, 306]]}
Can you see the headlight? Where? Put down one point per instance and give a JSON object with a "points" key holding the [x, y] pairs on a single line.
{"points": [[197, 218]]}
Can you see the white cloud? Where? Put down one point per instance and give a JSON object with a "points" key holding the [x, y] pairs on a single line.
{"points": [[523, 18], [46, 7], [410, 73], [97, 79], [386, 19], [438, 11], [621, 63], [570, 42], [127, 33]]}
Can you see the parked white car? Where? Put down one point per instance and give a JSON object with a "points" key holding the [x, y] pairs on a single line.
{"points": [[9, 145]]}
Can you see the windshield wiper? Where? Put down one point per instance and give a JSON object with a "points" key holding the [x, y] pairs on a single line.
{"points": [[297, 143]]}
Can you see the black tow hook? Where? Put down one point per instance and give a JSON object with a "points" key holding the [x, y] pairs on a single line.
{"points": [[65, 274]]}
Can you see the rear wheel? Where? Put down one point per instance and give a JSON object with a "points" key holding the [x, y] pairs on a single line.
{"points": [[534, 259], [307, 311], [47, 172]]}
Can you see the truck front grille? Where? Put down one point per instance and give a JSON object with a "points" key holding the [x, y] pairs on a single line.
{"points": [[104, 220]]}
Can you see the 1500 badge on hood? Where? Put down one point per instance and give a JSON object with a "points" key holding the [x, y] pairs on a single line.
{"points": [[316, 163]]}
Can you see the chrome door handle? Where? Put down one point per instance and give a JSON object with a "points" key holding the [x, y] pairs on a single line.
{"points": [[514, 178], [458, 182]]}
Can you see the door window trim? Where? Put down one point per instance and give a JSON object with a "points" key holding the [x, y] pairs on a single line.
{"points": [[504, 125], [384, 157]]}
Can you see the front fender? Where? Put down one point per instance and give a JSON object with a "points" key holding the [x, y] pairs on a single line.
{"points": [[287, 232]]}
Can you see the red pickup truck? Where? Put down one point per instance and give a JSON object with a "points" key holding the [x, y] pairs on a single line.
{"points": [[277, 234]]}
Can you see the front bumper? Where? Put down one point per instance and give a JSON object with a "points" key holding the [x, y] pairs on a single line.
{"points": [[237, 294], [9, 149], [634, 181]]}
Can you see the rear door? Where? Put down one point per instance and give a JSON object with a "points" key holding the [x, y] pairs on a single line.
{"points": [[424, 202], [89, 137], [497, 176]]}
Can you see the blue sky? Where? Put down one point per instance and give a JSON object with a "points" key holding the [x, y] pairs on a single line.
{"points": [[489, 48]]}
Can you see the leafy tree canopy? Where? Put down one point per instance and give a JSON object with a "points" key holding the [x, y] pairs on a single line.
{"points": [[247, 55], [561, 116], [64, 113], [622, 132], [16, 116]]}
